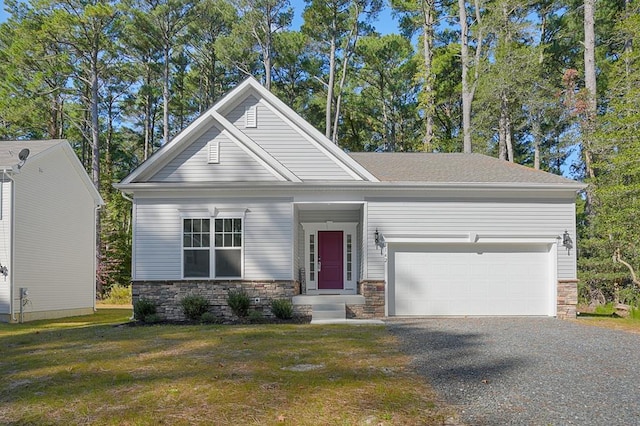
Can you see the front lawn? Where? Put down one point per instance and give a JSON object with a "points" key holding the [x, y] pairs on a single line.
{"points": [[624, 324], [85, 370]]}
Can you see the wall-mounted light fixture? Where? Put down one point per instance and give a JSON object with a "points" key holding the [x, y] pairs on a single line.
{"points": [[378, 239], [567, 242]]}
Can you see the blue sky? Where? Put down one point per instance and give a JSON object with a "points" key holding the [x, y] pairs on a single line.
{"points": [[385, 23]]}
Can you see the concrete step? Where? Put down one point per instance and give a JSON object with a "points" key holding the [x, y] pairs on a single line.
{"points": [[328, 311]]}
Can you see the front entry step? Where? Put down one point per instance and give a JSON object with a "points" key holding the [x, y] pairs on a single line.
{"points": [[328, 312]]}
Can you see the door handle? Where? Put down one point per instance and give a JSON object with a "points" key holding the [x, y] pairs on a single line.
{"points": [[319, 265]]}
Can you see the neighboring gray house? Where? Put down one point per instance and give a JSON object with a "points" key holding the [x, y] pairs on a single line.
{"points": [[47, 232], [250, 195]]}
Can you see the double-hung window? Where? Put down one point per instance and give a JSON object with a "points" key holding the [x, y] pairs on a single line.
{"points": [[196, 242], [212, 252], [228, 247]]}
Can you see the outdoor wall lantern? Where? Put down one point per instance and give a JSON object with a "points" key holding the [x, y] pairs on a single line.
{"points": [[377, 238], [567, 242]]}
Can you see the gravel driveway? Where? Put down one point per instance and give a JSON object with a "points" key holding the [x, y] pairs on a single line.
{"points": [[527, 371]]}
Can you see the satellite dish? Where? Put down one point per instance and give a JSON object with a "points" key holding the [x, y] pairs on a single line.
{"points": [[24, 154]]}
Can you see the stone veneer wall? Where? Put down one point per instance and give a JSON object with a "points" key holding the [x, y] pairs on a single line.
{"points": [[373, 292], [167, 295], [567, 298]]}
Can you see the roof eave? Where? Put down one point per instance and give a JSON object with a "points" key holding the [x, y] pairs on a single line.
{"points": [[349, 185]]}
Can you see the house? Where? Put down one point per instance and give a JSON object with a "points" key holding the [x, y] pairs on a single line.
{"points": [[251, 196], [47, 232]]}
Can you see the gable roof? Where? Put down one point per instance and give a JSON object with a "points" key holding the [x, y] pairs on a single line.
{"points": [[453, 168], [214, 116], [9, 151]]}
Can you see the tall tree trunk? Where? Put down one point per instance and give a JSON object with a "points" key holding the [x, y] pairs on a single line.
{"points": [[348, 51], [502, 130], [467, 95], [590, 85], [95, 142], [330, 85], [428, 12], [165, 95], [537, 139]]}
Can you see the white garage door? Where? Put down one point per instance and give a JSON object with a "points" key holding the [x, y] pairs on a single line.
{"points": [[470, 279]]}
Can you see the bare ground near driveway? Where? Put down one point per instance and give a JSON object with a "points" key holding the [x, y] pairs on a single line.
{"points": [[527, 371]]}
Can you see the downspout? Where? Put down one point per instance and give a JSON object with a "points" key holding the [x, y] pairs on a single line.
{"points": [[95, 255], [12, 228], [133, 315]]}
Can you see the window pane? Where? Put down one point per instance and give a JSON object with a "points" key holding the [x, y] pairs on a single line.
{"points": [[186, 241], [228, 225], [205, 240], [196, 240], [228, 240], [187, 225], [237, 240], [228, 263], [218, 225], [196, 263], [197, 225], [237, 225], [205, 225], [218, 240]]}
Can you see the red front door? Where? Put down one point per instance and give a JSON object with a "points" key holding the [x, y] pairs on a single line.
{"points": [[330, 260]]}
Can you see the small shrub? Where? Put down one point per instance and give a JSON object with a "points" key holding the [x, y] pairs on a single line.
{"points": [[607, 309], [152, 319], [143, 309], [634, 313], [239, 302], [118, 295], [194, 306], [255, 316], [209, 318], [282, 308]]}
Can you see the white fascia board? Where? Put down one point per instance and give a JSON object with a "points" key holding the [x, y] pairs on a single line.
{"points": [[255, 150], [348, 185]]}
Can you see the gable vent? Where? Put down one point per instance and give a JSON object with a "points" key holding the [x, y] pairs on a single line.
{"points": [[214, 152], [251, 116]]}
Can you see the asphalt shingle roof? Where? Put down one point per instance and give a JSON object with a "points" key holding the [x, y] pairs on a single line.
{"points": [[450, 168], [9, 150]]}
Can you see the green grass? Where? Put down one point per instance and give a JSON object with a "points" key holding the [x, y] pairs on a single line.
{"points": [[85, 370]]}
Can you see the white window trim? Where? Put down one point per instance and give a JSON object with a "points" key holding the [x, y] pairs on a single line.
{"points": [[212, 215], [350, 286], [193, 215], [215, 249]]}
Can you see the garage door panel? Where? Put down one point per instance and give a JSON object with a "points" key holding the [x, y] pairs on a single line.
{"points": [[464, 279]]}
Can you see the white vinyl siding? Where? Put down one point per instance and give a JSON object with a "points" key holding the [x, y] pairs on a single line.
{"points": [[501, 217], [287, 145], [5, 247], [267, 227], [194, 163], [55, 229]]}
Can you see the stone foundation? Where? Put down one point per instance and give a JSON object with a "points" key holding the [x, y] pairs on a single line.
{"points": [[567, 298], [167, 295], [373, 292]]}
